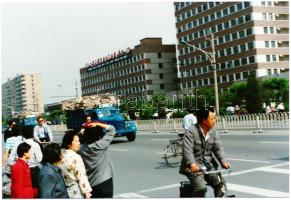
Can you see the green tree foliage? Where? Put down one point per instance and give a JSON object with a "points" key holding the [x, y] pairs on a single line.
{"points": [[237, 93], [253, 95], [277, 90]]}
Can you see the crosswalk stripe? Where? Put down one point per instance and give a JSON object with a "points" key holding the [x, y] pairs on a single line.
{"points": [[256, 169], [118, 150], [256, 191], [274, 170], [131, 195], [246, 160], [263, 142]]}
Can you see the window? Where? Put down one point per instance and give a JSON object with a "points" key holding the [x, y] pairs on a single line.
{"points": [[251, 59], [249, 31], [267, 44], [238, 76], [232, 9], [221, 52], [189, 84], [200, 21], [159, 55], [244, 61], [248, 17], [162, 86], [233, 22], [222, 66], [205, 81], [213, 29], [219, 27], [245, 75], [230, 77], [227, 38], [264, 16], [236, 63], [239, 6], [242, 47], [265, 30], [242, 33], [161, 76], [250, 45], [272, 30], [235, 49], [268, 57], [240, 20], [218, 14], [270, 16], [224, 79], [247, 4], [274, 58], [234, 36], [212, 17], [160, 65], [226, 24], [275, 71], [228, 51], [225, 11], [269, 72]]}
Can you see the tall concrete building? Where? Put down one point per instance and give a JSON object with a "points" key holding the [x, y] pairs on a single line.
{"points": [[147, 69], [248, 37], [22, 93]]}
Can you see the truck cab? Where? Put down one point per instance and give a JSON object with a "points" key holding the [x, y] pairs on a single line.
{"points": [[108, 115]]}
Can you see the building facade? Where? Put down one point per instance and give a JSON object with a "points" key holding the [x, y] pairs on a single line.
{"points": [[22, 93], [147, 69], [248, 37]]}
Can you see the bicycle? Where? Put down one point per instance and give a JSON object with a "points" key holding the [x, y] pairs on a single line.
{"points": [[186, 188], [173, 152]]}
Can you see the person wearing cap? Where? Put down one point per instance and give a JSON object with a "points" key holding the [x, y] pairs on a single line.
{"points": [[200, 145]]}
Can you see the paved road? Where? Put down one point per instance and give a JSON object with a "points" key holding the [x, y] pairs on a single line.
{"points": [[260, 165]]}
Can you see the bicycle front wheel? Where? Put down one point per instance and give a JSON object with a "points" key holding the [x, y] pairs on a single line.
{"points": [[173, 154]]}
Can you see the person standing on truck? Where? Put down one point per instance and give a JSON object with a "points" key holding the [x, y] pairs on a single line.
{"points": [[200, 145], [42, 132], [94, 152]]}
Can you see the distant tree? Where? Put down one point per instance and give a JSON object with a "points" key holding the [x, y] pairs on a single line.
{"points": [[253, 95], [276, 89], [237, 93]]}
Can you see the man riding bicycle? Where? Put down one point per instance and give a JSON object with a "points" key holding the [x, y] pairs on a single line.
{"points": [[200, 145]]}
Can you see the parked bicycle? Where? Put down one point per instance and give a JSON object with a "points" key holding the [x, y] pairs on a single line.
{"points": [[186, 189], [173, 152]]}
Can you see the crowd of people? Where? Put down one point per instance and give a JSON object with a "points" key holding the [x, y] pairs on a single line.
{"points": [[36, 167]]}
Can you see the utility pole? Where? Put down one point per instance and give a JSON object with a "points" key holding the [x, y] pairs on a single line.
{"points": [[76, 89], [213, 63]]}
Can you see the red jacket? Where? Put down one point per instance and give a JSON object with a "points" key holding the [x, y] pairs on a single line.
{"points": [[21, 186]]}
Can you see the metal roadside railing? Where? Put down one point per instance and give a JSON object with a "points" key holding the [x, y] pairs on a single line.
{"points": [[255, 122]]}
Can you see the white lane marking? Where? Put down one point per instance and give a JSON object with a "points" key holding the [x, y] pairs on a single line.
{"points": [[160, 188], [160, 139], [118, 150], [274, 170], [131, 195], [263, 142], [256, 169], [245, 160], [256, 191]]}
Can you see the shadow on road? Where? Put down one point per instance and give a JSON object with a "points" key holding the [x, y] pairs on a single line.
{"points": [[163, 165], [118, 141]]}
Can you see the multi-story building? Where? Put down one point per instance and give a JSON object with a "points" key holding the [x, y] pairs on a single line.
{"points": [[147, 69], [248, 37], [22, 93]]}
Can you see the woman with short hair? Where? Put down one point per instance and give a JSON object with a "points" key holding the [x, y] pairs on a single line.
{"points": [[51, 182], [73, 169]]}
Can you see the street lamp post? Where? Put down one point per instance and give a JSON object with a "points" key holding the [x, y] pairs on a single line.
{"points": [[211, 58]]}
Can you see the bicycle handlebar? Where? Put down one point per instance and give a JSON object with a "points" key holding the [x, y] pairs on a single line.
{"points": [[201, 171]]}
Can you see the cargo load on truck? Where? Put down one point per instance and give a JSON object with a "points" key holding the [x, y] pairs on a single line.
{"points": [[26, 118], [102, 108]]}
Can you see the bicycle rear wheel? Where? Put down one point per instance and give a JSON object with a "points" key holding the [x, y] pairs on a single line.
{"points": [[173, 154]]}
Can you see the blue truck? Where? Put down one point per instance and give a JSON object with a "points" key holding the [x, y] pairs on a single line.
{"points": [[109, 115]]}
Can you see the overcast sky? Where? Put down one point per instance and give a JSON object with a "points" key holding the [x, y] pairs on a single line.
{"points": [[57, 39]]}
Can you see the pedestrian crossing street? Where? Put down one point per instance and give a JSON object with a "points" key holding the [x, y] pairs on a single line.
{"points": [[233, 188]]}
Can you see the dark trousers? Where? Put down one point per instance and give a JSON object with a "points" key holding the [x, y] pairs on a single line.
{"points": [[216, 181], [34, 176], [103, 190]]}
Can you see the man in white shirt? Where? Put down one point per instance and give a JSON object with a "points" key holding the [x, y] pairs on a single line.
{"points": [[41, 132], [189, 120]]}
